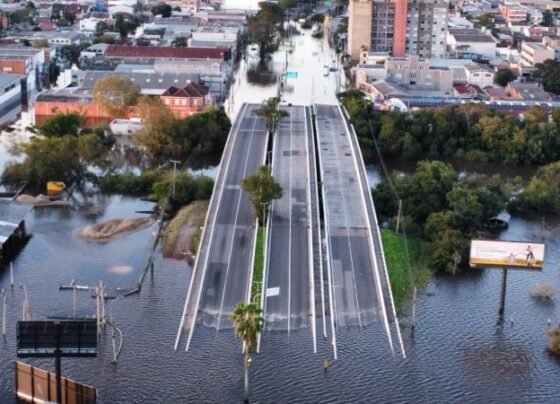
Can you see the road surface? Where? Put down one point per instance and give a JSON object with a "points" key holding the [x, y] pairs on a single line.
{"points": [[222, 270], [356, 300], [289, 298]]}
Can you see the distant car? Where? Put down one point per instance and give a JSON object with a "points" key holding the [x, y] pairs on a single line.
{"points": [[326, 73], [333, 69]]}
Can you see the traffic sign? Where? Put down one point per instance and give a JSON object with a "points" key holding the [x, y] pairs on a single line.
{"points": [[291, 75]]}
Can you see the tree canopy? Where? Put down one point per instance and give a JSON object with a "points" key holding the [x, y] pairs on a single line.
{"points": [[263, 189], [204, 133], [263, 27], [61, 124], [162, 9], [548, 73], [271, 113], [470, 131], [503, 77], [442, 208], [116, 94]]}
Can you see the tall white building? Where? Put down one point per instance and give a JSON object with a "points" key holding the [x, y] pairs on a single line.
{"points": [[426, 28]]}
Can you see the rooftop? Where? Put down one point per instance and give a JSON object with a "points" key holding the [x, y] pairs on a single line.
{"points": [[471, 35], [150, 83], [9, 79], [163, 52], [190, 90]]}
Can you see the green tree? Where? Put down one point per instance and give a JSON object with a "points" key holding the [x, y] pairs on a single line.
{"points": [[548, 19], [41, 43], [542, 194], [156, 134], [60, 158], [69, 17], [485, 20], [548, 73], [187, 189], [116, 94], [100, 28], [180, 42], [248, 321], [124, 27], [204, 133], [61, 124], [263, 27], [162, 9], [503, 77], [426, 190], [71, 53], [271, 113], [263, 189], [108, 39]]}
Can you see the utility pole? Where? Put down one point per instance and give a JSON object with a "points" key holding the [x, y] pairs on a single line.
{"points": [[4, 299], [175, 162]]}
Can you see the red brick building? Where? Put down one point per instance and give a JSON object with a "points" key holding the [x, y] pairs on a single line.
{"points": [[48, 105], [188, 100]]}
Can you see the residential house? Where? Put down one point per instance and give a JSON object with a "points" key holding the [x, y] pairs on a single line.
{"points": [[188, 100]]}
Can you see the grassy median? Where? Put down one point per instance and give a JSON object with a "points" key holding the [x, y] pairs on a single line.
{"points": [[404, 275], [258, 267]]}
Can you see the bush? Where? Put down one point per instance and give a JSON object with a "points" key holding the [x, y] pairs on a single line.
{"points": [[554, 340], [543, 291]]}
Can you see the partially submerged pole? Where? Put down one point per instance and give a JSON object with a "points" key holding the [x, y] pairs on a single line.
{"points": [[11, 274], [4, 299], [501, 310]]}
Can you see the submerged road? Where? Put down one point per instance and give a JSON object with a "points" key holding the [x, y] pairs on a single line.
{"points": [[289, 302], [356, 294], [222, 272]]}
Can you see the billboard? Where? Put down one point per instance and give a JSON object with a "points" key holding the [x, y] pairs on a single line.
{"points": [[72, 338], [506, 254]]}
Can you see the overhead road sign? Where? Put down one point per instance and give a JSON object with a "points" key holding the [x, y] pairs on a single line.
{"points": [[291, 75]]}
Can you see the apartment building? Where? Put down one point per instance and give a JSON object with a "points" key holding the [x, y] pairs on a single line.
{"points": [[513, 12], [399, 27], [426, 30], [533, 53]]}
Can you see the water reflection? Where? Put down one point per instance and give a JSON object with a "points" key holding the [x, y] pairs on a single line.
{"points": [[261, 74]]}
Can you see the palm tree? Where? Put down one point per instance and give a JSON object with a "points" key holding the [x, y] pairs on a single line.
{"points": [[248, 321], [271, 113]]}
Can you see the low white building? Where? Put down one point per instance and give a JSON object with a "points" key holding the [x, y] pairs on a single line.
{"points": [[470, 43], [125, 127], [94, 51], [458, 21], [479, 75]]}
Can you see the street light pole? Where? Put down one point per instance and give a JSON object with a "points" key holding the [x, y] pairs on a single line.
{"points": [[175, 162]]}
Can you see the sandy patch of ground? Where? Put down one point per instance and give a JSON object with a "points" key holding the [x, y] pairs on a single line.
{"points": [[113, 228], [40, 200], [178, 236]]}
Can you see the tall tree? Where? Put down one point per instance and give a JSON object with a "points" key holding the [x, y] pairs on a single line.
{"points": [[248, 321], [61, 124], [156, 134], [263, 27], [162, 9], [548, 73], [548, 18], [503, 77], [263, 189], [116, 94], [271, 113]]}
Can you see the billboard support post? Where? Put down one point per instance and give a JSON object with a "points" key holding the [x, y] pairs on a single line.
{"points": [[58, 376], [502, 297]]}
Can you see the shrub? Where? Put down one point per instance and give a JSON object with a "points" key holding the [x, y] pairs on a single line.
{"points": [[554, 340], [543, 291]]}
